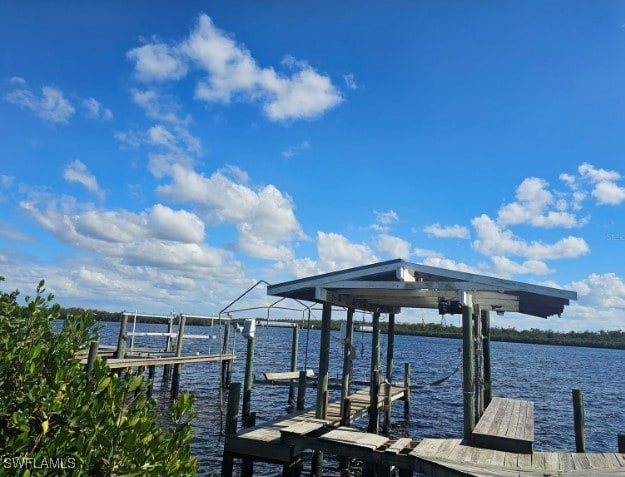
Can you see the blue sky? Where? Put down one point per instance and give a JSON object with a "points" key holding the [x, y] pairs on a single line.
{"points": [[164, 157]]}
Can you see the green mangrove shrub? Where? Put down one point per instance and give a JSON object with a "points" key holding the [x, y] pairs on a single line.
{"points": [[54, 420]]}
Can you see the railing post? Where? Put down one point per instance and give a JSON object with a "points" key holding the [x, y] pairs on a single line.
{"points": [[93, 354]]}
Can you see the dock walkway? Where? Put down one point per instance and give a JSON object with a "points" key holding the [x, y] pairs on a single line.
{"points": [[263, 442], [454, 458]]}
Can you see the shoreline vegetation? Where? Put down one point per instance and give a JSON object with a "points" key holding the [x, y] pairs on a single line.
{"points": [[614, 339]]}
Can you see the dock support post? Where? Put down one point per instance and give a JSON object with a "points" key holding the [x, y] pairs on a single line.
{"points": [[168, 347], [294, 350], [93, 354], [390, 350], [232, 410], [347, 359], [301, 391], [468, 365], [322, 380], [374, 421], [151, 371], [120, 352], [479, 362], [407, 391], [249, 380], [324, 360], [488, 379], [175, 382], [578, 420], [226, 366], [620, 440]]}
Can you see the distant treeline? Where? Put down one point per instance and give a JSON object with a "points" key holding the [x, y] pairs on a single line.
{"points": [[594, 339]]}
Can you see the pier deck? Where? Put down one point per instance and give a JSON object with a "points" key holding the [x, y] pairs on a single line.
{"points": [[454, 458], [263, 442], [507, 425], [162, 360]]}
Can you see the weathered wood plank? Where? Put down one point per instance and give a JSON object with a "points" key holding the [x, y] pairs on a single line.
{"points": [[398, 446], [507, 425], [288, 375], [354, 437]]}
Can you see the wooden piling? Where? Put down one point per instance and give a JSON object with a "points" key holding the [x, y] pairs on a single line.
{"points": [[578, 420], [93, 354], [479, 368], [374, 421], [375, 344], [488, 380], [120, 352], [249, 380], [168, 347], [620, 440], [390, 350], [175, 382], [151, 372], [301, 391], [347, 358], [226, 366], [407, 384], [294, 350], [468, 366], [232, 410], [324, 360]]}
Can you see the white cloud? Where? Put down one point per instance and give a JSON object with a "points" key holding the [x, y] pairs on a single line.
{"points": [[294, 150], [17, 80], [386, 218], [350, 82], [336, 252], [601, 290], [532, 204], [6, 181], [95, 110], [264, 216], [608, 193], [176, 225], [503, 266], [78, 172], [493, 240], [442, 262], [451, 231], [232, 72], [391, 246], [50, 106], [605, 190], [426, 253], [157, 62]]}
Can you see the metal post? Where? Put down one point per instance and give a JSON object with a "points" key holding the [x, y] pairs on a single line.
{"points": [[226, 366], [578, 420], [390, 350], [468, 365], [120, 352]]}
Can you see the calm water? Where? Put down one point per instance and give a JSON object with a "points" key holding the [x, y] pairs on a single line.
{"points": [[543, 374]]}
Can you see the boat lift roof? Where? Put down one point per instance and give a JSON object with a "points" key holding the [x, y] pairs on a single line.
{"points": [[388, 286]]}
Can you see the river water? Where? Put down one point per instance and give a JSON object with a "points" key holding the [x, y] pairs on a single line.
{"points": [[540, 373]]}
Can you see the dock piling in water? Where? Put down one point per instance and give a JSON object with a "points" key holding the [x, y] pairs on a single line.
{"points": [[120, 352], [578, 420]]}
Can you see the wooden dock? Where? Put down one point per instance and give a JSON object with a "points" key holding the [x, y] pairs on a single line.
{"points": [[454, 458], [156, 360], [507, 425], [264, 443]]}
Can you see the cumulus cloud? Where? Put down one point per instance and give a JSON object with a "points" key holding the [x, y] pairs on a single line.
{"points": [[603, 183], [158, 62], [533, 200], [336, 252], [601, 290], [78, 172], [426, 253], [493, 240], [350, 82], [503, 266], [51, 106], [450, 231], [264, 216], [391, 246], [95, 110], [232, 73]]}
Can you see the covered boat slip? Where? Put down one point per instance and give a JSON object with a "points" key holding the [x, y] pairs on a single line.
{"points": [[493, 427]]}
